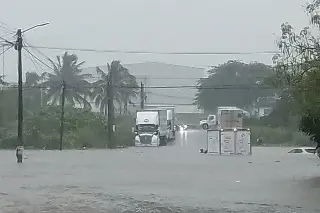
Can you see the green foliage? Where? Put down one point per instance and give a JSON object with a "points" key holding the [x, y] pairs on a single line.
{"points": [[67, 70], [125, 87], [309, 102], [82, 129], [233, 74], [275, 135], [298, 72]]}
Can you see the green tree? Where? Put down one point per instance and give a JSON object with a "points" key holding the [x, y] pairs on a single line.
{"points": [[100, 91], [33, 93], [124, 87], [83, 128], [216, 90], [298, 71], [67, 71]]}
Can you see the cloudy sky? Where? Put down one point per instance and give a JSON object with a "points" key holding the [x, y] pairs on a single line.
{"points": [[150, 25]]}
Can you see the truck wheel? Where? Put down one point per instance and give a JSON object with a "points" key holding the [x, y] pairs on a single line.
{"points": [[205, 126], [163, 141]]}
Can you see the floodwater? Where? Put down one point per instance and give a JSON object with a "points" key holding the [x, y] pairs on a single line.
{"points": [[175, 178]]}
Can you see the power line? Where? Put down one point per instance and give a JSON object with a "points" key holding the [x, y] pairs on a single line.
{"points": [[177, 104], [169, 96], [46, 57], [218, 87], [151, 52], [39, 59], [36, 61], [3, 52], [156, 78]]}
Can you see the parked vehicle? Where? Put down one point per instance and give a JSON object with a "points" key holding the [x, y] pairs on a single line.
{"points": [[170, 118], [227, 117], [303, 150], [210, 122], [151, 128]]}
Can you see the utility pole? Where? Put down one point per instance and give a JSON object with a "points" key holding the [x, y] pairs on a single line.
{"points": [[62, 114], [142, 96], [145, 89], [111, 126], [18, 47]]}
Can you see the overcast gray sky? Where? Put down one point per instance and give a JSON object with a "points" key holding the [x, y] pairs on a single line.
{"points": [[151, 25]]}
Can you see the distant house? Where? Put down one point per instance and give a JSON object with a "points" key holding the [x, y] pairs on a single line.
{"points": [[162, 75], [263, 106]]}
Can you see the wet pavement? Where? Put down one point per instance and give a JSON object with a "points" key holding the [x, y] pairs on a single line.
{"points": [[175, 178]]}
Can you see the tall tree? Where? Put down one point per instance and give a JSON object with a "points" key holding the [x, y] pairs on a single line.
{"points": [[67, 70], [67, 83], [125, 87], [100, 91], [32, 93], [233, 84], [298, 70]]}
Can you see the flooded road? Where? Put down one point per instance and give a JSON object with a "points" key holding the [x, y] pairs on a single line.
{"points": [[175, 178]]}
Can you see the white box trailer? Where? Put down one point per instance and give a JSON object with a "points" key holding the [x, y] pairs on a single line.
{"points": [[229, 142], [229, 118], [170, 118]]}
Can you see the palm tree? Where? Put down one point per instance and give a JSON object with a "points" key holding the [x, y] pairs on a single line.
{"points": [[67, 83], [100, 92], [67, 71], [128, 91], [124, 83]]}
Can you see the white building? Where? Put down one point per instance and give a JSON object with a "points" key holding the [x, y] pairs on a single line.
{"points": [[263, 106]]}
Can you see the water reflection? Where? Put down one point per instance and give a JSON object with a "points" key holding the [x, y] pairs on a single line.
{"points": [[183, 137]]}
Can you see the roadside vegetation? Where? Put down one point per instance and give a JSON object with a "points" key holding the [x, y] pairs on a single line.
{"points": [[82, 127], [292, 80]]}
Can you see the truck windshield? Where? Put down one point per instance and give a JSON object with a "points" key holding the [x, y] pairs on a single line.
{"points": [[146, 128], [211, 117]]}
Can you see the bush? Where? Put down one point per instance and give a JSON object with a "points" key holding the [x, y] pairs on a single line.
{"points": [[81, 129], [278, 136], [124, 135]]}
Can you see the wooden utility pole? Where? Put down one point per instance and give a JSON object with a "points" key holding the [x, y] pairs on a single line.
{"points": [[18, 47], [62, 114], [111, 125], [142, 96]]}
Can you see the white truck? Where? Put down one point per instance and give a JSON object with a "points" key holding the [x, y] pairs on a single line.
{"points": [[170, 118], [211, 122], [227, 117], [229, 136], [151, 128]]}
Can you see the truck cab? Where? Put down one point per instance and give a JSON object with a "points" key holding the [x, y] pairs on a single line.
{"points": [[209, 123], [151, 128]]}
